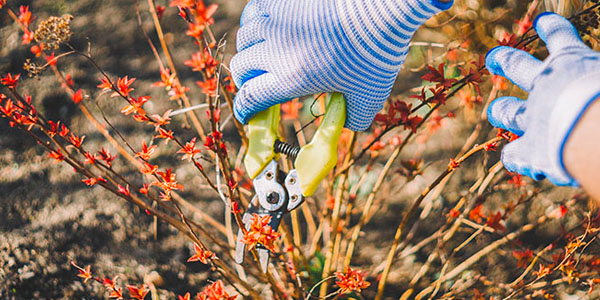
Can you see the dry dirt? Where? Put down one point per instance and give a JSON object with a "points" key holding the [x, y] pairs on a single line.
{"points": [[48, 218]]}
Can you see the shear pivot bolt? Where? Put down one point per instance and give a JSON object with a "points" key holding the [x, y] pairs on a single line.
{"points": [[269, 175], [273, 198]]}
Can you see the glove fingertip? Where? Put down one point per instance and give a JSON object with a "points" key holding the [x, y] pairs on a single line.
{"points": [[514, 161], [240, 112], [250, 11], [511, 157], [502, 113], [542, 15], [539, 29], [492, 63], [245, 105], [557, 32], [490, 115]]}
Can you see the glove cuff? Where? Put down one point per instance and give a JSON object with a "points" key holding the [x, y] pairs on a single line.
{"points": [[570, 107], [381, 29]]}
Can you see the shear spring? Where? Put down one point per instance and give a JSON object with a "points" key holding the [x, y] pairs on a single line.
{"points": [[287, 149]]}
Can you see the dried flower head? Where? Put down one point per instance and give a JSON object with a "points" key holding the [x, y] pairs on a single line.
{"points": [[32, 68], [54, 31]]}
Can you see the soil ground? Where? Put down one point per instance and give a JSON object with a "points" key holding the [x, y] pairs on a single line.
{"points": [[48, 218]]}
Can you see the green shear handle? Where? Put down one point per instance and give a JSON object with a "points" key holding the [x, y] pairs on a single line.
{"points": [[314, 161]]}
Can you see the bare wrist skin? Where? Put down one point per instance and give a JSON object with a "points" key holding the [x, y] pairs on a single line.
{"points": [[582, 151]]}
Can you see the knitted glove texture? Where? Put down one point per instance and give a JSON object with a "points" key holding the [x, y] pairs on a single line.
{"points": [[293, 48], [560, 89]]}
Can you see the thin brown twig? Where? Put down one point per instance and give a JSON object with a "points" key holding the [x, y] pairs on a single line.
{"points": [[331, 257], [481, 253], [413, 208], [161, 38]]}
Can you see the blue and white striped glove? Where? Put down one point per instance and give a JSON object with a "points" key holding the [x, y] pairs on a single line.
{"points": [[292, 48], [560, 89]]}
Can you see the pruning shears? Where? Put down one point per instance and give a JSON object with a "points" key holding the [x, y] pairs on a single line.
{"points": [[278, 193]]}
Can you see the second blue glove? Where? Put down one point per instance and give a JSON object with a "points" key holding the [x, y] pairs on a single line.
{"points": [[560, 89]]}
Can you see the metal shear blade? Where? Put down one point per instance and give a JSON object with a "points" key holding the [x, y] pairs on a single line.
{"points": [[276, 194]]}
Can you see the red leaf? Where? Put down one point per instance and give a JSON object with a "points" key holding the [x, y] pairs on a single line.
{"points": [[203, 61], [216, 291], [105, 85], [437, 75], [57, 155], [201, 255], [195, 30], [51, 60], [86, 273], [148, 168], [27, 37], [182, 3], [209, 86], [106, 156], [144, 189], [453, 164], [164, 134], [123, 87], [137, 293], [24, 15], [189, 150], [116, 293], [413, 123], [146, 152], [351, 281], [77, 96], [160, 10], [89, 158], [523, 257], [63, 130], [454, 213], [37, 50], [186, 297], [9, 108], [76, 141], [124, 190], [10, 81], [475, 214], [494, 221], [204, 14], [260, 232]]}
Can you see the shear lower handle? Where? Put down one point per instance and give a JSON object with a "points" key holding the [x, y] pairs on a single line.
{"points": [[262, 134], [318, 158]]}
